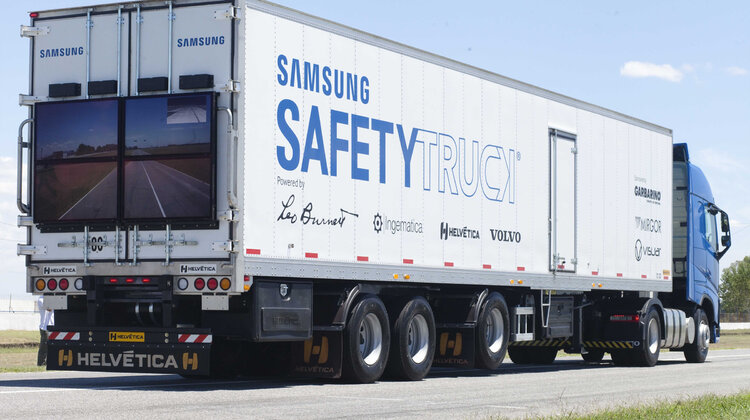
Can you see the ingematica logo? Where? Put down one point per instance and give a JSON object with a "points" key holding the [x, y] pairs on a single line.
{"points": [[377, 223], [381, 223]]}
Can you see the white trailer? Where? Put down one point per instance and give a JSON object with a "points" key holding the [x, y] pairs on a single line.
{"points": [[225, 178]]}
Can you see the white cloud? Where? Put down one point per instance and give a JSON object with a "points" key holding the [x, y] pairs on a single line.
{"points": [[643, 69], [687, 68], [736, 71]]}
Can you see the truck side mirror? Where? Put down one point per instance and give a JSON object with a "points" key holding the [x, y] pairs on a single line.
{"points": [[726, 239]]}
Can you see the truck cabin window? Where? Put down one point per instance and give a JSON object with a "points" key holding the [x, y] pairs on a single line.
{"points": [[76, 161], [709, 219], [135, 159]]}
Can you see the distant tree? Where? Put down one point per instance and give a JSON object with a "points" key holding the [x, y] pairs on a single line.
{"points": [[734, 288], [84, 149]]}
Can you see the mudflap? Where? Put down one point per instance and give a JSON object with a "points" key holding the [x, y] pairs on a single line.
{"points": [[320, 356], [454, 346], [144, 356]]}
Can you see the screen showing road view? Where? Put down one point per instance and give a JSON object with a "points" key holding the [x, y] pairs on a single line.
{"points": [[167, 167], [67, 135], [167, 164]]}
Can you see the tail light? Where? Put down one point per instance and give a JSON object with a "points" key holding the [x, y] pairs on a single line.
{"points": [[624, 318], [64, 284], [40, 285], [200, 283], [212, 283], [52, 284]]}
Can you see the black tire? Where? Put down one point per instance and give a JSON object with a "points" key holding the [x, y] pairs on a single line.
{"points": [[648, 354], [593, 355], [412, 341], [532, 355], [366, 348], [491, 341], [622, 357], [697, 352]]}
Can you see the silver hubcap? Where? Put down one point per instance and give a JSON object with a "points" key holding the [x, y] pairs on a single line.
{"points": [[417, 339], [653, 336], [495, 330], [370, 339], [704, 335]]}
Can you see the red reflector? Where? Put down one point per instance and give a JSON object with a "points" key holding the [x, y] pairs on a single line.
{"points": [[448, 264], [408, 261], [252, 251], [200, 283], [594, 273], [213, 283], [52, 284], [129, 280], [486, 266], [64, 284], [619, 274], [624, 318], [365, 259], [34, 14], [521, 268], [146, 280], [643, 276], [247, 278], [113, 280], [311, 255]]}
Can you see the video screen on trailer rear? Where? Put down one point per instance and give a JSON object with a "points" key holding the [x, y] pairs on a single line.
{"points": [[165, 172]]}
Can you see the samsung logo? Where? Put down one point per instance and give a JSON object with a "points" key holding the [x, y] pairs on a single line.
{"points": [[60, 52], [200, 41]]}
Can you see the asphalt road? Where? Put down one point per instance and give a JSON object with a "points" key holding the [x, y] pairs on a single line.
{"points": [[515, 391], [99, 202]]}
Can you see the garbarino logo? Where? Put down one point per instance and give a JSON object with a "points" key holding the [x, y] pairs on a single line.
{"points": [[382, 223]]}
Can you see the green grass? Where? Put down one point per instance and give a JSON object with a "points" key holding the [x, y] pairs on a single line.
{"points": [[11, 337], [708, 407]]}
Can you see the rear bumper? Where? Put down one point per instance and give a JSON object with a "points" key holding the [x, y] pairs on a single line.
{"points": [[181, 351]]}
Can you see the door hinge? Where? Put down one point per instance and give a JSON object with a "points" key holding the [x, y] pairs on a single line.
{"points": [[227, 246], [28, 100], [230, 215], [229, 13], [32, 31], [574, 150], [31, 249], [231, 86]]}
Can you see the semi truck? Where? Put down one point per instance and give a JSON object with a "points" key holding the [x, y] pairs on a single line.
{"points": [[219, 187]]}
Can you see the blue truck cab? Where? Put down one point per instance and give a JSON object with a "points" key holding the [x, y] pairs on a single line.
{"points": [[700, 237]]}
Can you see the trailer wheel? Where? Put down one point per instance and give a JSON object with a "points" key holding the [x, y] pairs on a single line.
{"points": [[648, 354], [412, 341], [593, 355], [532, 355], [697, 352], [367, 340], [493, 328]]}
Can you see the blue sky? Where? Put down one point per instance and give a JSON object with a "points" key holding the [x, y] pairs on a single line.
{"points": [[684, 65]]}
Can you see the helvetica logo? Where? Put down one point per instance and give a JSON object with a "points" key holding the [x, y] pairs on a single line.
{"points": [[447, 344], [189, 363], [321, 351], [65, 358]]}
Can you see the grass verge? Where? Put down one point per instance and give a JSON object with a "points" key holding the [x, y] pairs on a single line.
{"points": [[19, 359], [708, 407]]}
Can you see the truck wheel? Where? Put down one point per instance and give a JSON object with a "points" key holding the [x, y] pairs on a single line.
{"points": [[697, 352], [593, 355], [412, 341], [492, 333], [532, 355], [367, 340], [648, 354]]}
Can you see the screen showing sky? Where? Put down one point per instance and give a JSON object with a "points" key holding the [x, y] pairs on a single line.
{"points": [[68, 130], [176, 125]]}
